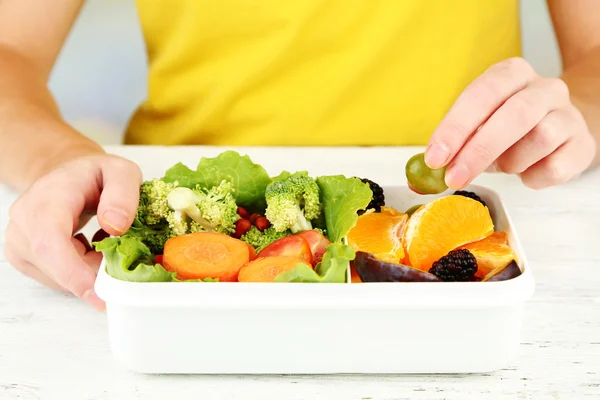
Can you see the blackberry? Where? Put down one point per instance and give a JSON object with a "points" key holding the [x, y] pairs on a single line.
{"points": [[378, 198], [470, 195], [456, 266]]}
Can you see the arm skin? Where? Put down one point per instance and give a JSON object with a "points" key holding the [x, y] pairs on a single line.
{"points": [[577, 26], [33, 135]]}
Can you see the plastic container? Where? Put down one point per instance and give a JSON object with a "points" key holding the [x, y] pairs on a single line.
{"points": [[286, 328]]}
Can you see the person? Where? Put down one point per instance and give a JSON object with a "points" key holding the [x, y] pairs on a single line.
{"points": [[446, 74]]}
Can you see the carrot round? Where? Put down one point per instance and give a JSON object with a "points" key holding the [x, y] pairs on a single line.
{"points": [[265, 269], [203, 255]]}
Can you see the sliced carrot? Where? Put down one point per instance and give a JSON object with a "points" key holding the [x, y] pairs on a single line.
{"points": [[203, 255], [265, 269]]}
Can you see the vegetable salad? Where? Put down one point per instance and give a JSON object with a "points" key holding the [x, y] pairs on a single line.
{"points": [[229, 220]]}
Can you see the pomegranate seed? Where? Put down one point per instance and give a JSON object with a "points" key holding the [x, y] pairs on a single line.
{"points": [[241, 226], [262, 223], [242, 212], [254, 217]]}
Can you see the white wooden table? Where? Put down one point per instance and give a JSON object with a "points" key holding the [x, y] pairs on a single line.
{"points": [[53, 346]]}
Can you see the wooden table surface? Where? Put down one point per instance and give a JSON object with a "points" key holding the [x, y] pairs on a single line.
{"points": [[52, 346]]}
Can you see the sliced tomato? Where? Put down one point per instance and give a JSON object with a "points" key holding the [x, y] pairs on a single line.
{"points": [[159, 259], [293, 246], [318, 244]]}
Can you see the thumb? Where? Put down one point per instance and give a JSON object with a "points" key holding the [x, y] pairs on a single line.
{"points": [[121, 180]]}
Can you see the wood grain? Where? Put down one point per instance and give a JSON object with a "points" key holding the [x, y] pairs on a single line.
{"points": [[52, 346]]}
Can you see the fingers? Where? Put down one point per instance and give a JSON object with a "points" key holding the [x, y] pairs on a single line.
{"points": [[43, 219], [85, 251], [16, 251], [474, 106], [543, 140], [511, 122], [563, 165], [47, 234], [121, 180]]}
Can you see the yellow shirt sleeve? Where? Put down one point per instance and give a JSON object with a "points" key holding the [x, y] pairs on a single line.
{"points": [[313, 72]]}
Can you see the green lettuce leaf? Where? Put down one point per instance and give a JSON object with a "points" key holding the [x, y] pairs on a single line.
{"points": [[249, 180], [332, 269], [128, 259], [341, 198], [287, 174]]}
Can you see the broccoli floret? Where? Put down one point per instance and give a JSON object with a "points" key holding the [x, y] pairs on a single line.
{"points": [[153, 207], [219, 208], [213, 210], [292, 203], [166, 210], [259, 240]]}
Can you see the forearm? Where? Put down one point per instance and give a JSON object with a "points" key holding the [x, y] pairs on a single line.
{"points": [[583, 79], [33, 135]]}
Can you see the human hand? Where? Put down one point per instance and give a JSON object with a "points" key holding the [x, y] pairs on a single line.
{"points": [[512, 120], [39, 237]]}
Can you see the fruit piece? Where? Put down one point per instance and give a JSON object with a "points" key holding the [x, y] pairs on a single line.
{"points": [[203, 255], [491, 253], [254, 217], [241, 226], [511, 271], [262, 223], [412, 210], [379, 234], [391, 211], [377, 199], [443, 225], [252, 251], [265, 269], [292, 246], [370, 269], [317, 242], [456, 266], [354, 278], [470, 195], [159, 259], [423, 179], [242, 212]]}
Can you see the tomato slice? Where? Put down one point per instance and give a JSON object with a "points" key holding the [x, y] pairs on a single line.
{"points": [[318, 244], [293, 246], [159, 259]]}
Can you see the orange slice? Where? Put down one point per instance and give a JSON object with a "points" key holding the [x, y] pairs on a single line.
{"points": [[443, 225], [380, 234], [491, 253]]}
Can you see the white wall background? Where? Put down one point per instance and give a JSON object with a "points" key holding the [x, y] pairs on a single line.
{"points": [[101, 74]]}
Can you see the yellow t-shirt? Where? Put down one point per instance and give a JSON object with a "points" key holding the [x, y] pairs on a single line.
{"points": [[313, 72]]}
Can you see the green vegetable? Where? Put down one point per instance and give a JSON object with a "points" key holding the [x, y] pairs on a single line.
{"points": [[128, 259], [342, 198], [167, 210], [332, 269], [200, 210], [424, 179], [248, 180], [292, 202], [259, 240], [154, 237]]}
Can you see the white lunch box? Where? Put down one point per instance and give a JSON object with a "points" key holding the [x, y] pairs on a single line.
{"points": [[302, 328]]}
